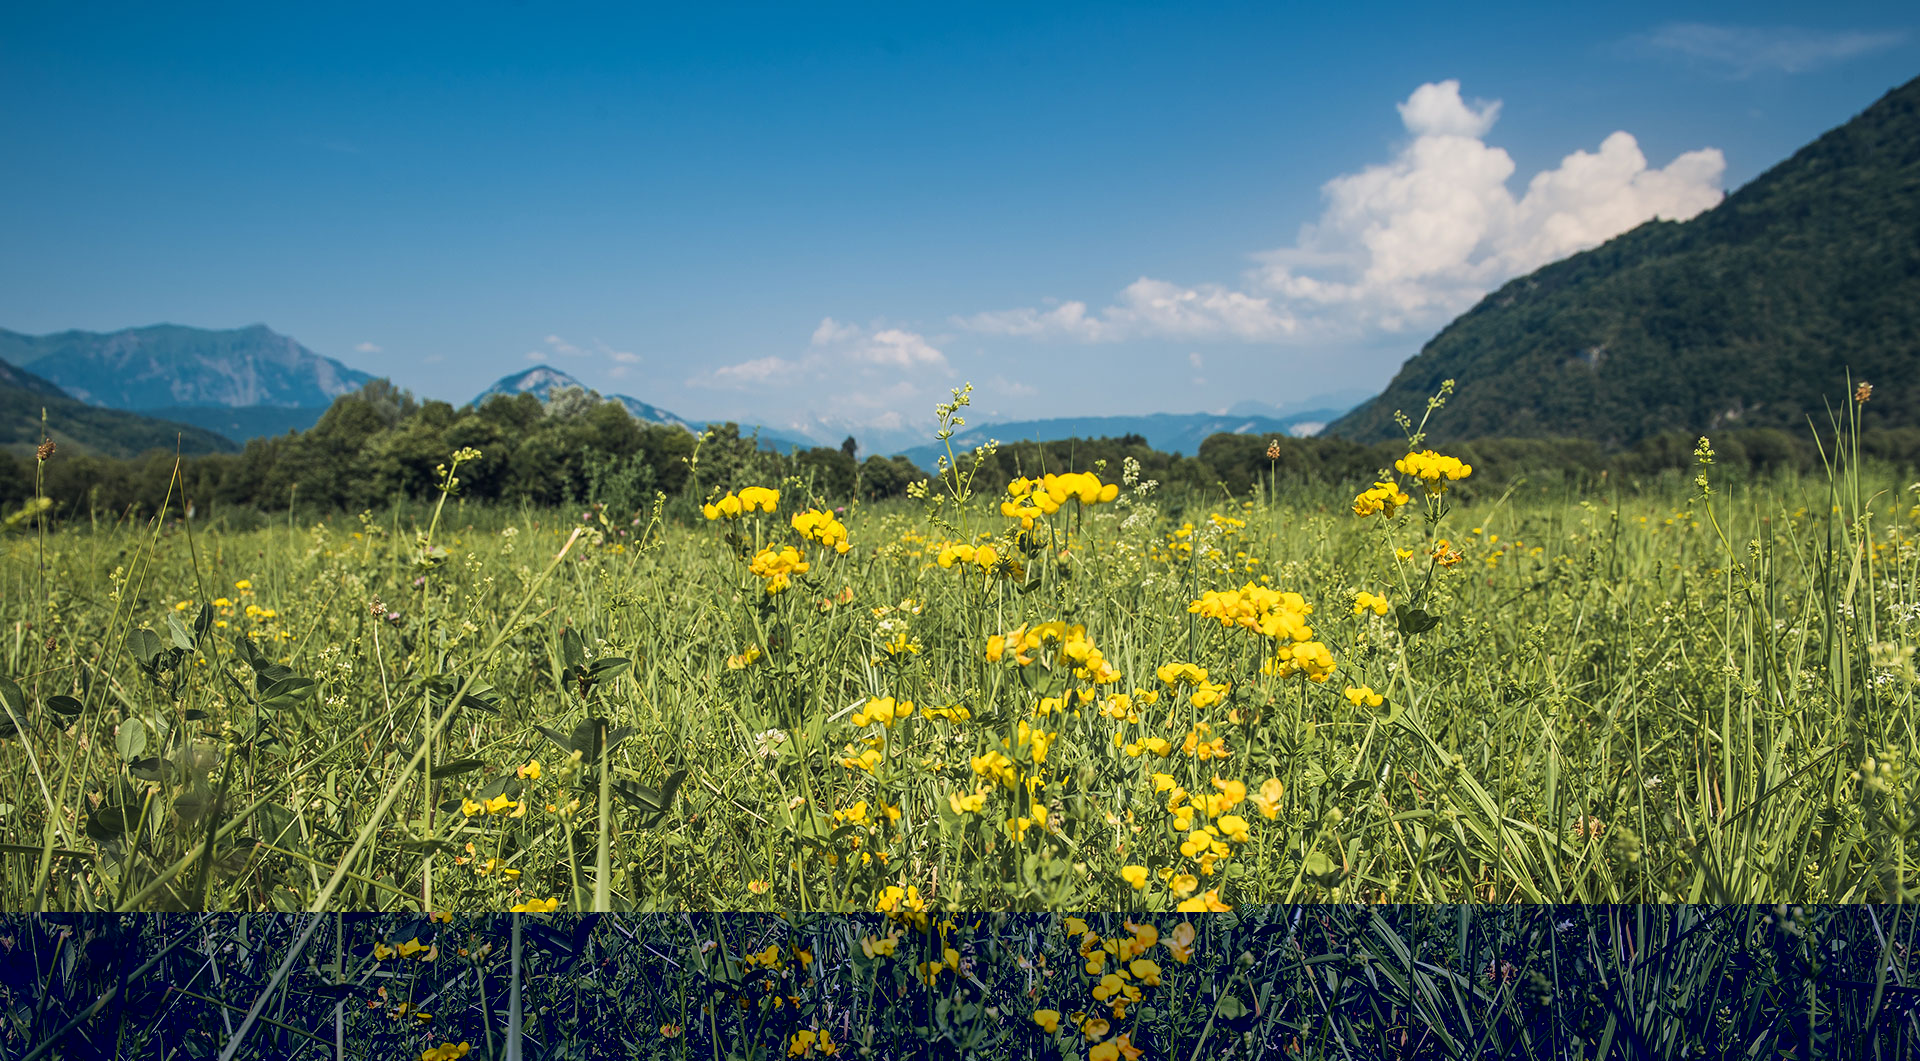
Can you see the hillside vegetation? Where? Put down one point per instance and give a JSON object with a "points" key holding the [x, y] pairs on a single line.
{"points": [[1744, 317], [81, 429]]}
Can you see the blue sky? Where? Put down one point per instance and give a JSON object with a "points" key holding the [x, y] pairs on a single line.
{"points": [[826, 216]]}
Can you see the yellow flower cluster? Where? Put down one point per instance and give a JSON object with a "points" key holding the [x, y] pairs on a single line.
{"points": [[1067, 645], [1205, 693], [1382, 497], [806, 1041], [1310, 658], [446, 1051], [1030, 499], [748, 500], [822, 527], [986, 556], [778, 567], [535, 906], [496, 805], [1267, 612], [1434, 470], [382, 952], [1364, 696], [884, 710], [1121, 973], [1364, 602]]}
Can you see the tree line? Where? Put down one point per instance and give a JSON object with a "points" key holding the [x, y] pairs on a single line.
{"points": [[379, 445]]}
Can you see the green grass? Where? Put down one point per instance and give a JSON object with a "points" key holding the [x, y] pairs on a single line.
{"points": [[1635, 696], [1352, 983]]}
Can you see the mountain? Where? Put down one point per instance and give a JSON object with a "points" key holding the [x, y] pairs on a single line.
{"points": [[77, 427], [173, 365], [543, 380], [1179, 433], [1752, 314]]}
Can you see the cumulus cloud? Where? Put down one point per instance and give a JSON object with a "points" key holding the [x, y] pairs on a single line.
{"points": [[554, 344], [367, 348], [1405, 243], [834, 350], [1147, 307], [1747, 50]]}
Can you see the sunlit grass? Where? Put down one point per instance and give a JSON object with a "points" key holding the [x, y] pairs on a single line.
{"points": [[993, 698]]}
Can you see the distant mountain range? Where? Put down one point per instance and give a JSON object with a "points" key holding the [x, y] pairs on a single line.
{"points": [[1167, 432], [1750, 315], [240, 382], [77, 427], [542, 381]]}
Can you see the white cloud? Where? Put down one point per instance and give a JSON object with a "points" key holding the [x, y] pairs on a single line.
{"points": [[1435, 109], [836, 342], [536, 355], [1194, 359], [834, 351], [1147, 307], [367, 348], [1747, 50], [1406, 243], [561, 346], [758, 371]]}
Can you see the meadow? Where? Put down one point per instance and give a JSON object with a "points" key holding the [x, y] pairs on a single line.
{"points": [[1074, 691], [1356, 983]]}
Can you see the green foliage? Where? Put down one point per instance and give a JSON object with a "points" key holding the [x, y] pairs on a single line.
{"points": [[78, 428], [1316, 983]]}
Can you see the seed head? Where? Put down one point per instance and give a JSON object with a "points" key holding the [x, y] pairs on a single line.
{"points": [[1862, 393], [44, 452]]}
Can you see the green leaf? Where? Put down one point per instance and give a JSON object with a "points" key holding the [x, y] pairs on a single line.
{"points": [[455, 767], [151, 768], [287, 692], [1415, 621], [181, 639], [146, 646], [203, 622], [114, 820], [607, 667], [1320, 870], [131, 740], [1231, 1009], [64, 705], [573, 651]]}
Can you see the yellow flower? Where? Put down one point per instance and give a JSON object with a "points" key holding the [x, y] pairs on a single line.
{"points": [[410, 947], [778, 567], [1433, 470], [496, 865], [381, 952], [758, 887], [968, 804], [1136, 876], [817, 526], [536, 906], [1047, 1019], [1268, 799], [1207, 903], [531, 771], [243, 585], [1145, 971], [1364, 696], [1381, 497]]}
